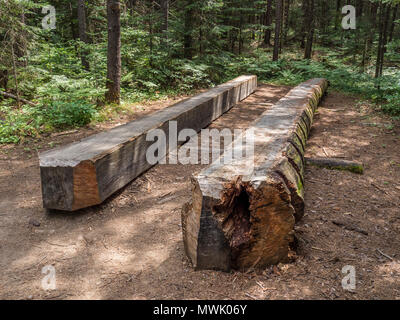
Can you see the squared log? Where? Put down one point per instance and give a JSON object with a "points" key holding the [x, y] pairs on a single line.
{"points": [[87, 172]]}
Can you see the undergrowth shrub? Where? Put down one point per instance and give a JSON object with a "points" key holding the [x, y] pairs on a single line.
{"points": [[69, 114]]}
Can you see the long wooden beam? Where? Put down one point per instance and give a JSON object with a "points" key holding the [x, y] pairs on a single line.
{"points": [[243, 211], [87, 172]]}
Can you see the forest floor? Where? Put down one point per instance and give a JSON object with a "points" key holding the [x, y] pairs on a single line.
{"points": [[130, 247]]}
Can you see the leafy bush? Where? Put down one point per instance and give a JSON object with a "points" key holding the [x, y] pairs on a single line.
{"points": [[16, 124], [69, 114], [67, 94]]}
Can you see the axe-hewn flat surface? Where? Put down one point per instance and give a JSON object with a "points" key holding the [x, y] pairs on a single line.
{"points": [[131, 246], [94, 146], [87, 172]]}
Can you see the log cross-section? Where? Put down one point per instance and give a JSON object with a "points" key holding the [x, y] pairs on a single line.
{"points": [[242, 214], [85, 173]]}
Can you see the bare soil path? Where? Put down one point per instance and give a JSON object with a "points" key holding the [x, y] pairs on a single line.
{"points": [[130, 247]]}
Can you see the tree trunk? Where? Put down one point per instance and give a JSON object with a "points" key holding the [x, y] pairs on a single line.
{"points": [[370, 38], [268, 23], [114, 51], [188, 30], [131, 6], [286, 22], [14, 69], [385, 16], [278, 23], [151, 31], [82, 32], [4, 79], [393, 25], [281, 36], [324, 21], [164, 25], [71, 24], [304, 5], [338, 12], [240, 40], [379, 51], [310, 31], [385, 35]]}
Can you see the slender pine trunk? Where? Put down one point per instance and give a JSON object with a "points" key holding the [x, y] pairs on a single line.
{"points": [[268, 23], [278, 24], [82, 33], [113, 52]]}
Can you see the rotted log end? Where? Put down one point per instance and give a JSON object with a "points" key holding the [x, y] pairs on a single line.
{"points": [[247, 228], [271, 220]]}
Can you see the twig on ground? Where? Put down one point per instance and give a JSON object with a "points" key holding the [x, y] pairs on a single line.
{"points": [[56, 244], [350, 228], [250, 296], [254, 264], [379, 188], [323, 148], [319, 249], [264, 288], [57, 134], [385, 255]]}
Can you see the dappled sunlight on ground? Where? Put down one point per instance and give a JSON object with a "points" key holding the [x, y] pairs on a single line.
{"points": [[130, 247]]}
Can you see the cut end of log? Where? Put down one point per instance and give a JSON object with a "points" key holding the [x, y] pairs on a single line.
{"points": [[86, 191], [247, 228]]}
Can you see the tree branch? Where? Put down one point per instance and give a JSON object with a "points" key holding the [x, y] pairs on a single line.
{"points": [[10, 95]]}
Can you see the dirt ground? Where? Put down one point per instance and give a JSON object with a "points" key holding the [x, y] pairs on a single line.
{"points": [[130, 247]]}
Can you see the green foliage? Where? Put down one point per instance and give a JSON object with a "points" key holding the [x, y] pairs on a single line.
{"points": [[31, 121], [17, 124], [45, 66], [384, 91], [63, 115]]}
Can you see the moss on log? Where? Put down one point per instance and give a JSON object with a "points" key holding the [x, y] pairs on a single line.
{"points": [[336, 164]]}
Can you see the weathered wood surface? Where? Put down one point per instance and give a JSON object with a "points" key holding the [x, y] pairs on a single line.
{"points": [[336, 164], [243, 212], [85, 173]]}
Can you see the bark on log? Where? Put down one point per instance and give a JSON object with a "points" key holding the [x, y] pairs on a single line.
{"points": [[336, 164], [85, 173], [243, 212]]}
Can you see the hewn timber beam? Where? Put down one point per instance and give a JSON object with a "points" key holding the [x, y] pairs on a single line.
{"points": [[243, 211], [85, 173]]}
